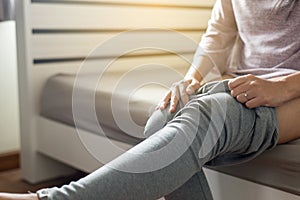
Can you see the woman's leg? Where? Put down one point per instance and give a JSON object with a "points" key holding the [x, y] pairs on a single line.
{"points": [[197, 135], [196, 187], [109, 183], [288, 119]]}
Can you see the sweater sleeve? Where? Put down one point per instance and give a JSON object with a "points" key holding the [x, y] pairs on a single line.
{"points": [[220, 36]]}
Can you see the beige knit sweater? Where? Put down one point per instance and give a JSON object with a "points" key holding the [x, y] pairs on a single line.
{"points": [[267, 42]]}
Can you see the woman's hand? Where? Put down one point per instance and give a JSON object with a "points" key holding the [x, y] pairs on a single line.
{"points": [[179, 90], [255, 92]]}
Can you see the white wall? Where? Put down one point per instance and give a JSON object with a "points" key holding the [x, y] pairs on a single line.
{"points": [[9, 109]]}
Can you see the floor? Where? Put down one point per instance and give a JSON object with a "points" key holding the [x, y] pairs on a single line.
{"points": [[11, 181]]}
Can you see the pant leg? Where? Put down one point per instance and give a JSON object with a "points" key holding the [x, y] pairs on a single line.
{"points": [[192, 131], [196, 187]]}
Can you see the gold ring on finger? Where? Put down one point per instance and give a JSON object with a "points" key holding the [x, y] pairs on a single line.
{"points": [[246, 95]]}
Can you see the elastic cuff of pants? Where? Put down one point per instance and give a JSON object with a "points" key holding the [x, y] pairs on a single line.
{"points": [[43, 194]]}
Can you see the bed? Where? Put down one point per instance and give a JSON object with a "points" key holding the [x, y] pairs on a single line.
{"points": [[55, 43], [274, 168]]}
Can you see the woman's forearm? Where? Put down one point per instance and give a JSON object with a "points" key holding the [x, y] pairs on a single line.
{"points": [[198, 71], [292, 85]]}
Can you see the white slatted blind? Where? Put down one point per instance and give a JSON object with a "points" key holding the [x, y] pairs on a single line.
{"points": [[80, 45], [65, 31], [192, 3], [73, 16]]}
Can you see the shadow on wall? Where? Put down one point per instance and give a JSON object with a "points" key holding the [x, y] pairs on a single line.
{"points": [[7, 10]]}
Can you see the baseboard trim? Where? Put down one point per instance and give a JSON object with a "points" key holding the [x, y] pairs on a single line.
{"points": [[9, 161]]}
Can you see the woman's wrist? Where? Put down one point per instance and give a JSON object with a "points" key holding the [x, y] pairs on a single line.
{"points": [[290, 86], [199, 68], [193, 74]]}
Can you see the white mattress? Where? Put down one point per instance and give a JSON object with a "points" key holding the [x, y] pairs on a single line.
{"points": [[56, 102]]}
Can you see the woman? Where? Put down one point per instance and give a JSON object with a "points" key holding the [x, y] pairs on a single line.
{"points": [[256, 110]]}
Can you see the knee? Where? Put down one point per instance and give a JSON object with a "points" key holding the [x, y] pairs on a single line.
{"points": [[157, 121]]}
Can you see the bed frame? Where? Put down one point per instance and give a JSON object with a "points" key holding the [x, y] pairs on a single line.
{"points": [[55, 36]]}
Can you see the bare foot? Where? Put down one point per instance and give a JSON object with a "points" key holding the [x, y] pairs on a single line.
{"points": [[8, 196]]}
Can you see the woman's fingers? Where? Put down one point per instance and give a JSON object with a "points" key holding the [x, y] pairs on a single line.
{"points": [[255, 102], [193, 87], [183, 93], [241, 89], [242, 98], [165, 101], [174, 98], [239, 81], [170, 98], [179, 91]]}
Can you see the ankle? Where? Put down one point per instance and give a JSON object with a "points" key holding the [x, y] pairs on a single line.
{"points": [[9, 196], [33, 196]]}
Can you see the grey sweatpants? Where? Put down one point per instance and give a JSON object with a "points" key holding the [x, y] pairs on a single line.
{"points": [[212, 129]]}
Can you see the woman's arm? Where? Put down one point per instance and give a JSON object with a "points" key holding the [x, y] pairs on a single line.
{"points": [[187, 86], [255, 92], [216, 44], [292, 85]]}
